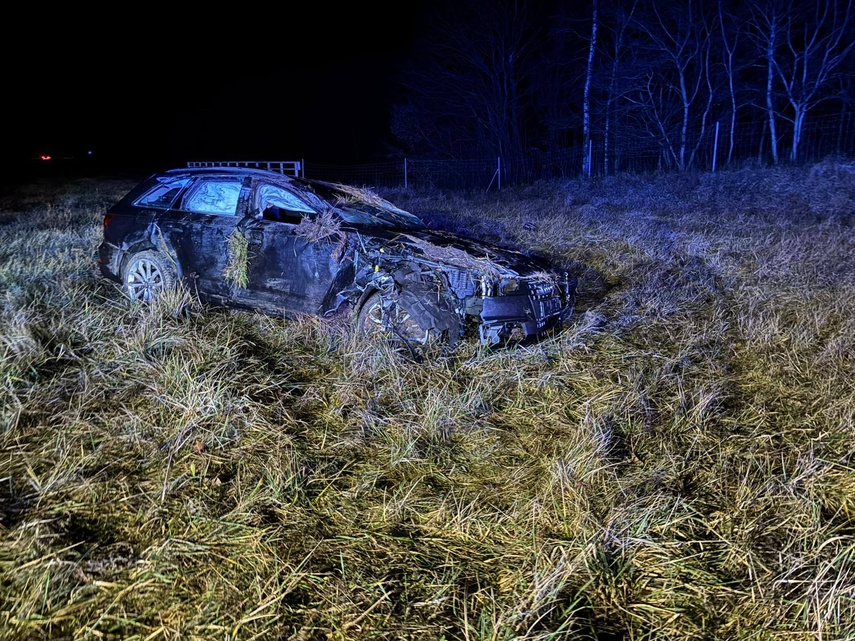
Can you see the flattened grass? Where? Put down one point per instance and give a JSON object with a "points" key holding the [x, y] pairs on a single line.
{"points": [[677, 463]]}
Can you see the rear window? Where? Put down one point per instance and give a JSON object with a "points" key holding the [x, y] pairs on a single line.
{"points": [[162, 195]]}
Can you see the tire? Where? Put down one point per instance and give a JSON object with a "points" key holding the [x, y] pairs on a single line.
{"points": [[147, 274], [372, 320]]}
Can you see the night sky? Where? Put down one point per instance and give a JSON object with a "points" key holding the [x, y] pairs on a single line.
{"points": [[149, 86], [335, 83]]}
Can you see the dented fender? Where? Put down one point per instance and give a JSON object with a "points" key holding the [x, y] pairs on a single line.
{"points": [[161, 241], [402, 281], [114, 257]]}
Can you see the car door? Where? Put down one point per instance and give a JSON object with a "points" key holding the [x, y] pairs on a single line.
{"points": [[289, 267], [205, 219]]}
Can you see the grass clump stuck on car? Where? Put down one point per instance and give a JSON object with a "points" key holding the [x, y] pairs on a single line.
{"points": [[676, 463], [236, 272]]}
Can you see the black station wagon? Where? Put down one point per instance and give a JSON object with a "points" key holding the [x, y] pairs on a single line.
{"points": [[258, 239]]}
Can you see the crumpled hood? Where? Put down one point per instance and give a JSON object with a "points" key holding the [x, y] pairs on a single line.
{"points": [[463, 252]]}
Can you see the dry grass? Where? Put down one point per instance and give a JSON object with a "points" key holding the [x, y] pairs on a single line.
{"points": [[676, 464], [236, 271], [363, 195], [321, 227]]}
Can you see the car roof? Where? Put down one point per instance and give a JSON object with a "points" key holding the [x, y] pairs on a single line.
{"points": [[225, 171]]}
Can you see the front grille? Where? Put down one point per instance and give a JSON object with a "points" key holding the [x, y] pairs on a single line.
{"points": [[542, 288], [545, 298], [547, 307]]}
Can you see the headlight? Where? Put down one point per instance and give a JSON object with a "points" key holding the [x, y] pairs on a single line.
{"points": [[543, 287], [510, 286]]}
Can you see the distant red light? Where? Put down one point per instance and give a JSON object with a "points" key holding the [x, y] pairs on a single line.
{"points": [[107, 219], [45, 157]]}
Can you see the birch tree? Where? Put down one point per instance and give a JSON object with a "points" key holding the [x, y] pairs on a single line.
{"points": [[586, 98], [730, 32], [622, 21], [677, 96], [817, 40]]}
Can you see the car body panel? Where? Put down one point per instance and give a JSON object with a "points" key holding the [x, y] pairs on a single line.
{"points": [[289, 271]]}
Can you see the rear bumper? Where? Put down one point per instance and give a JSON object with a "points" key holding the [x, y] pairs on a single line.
{"points": [[109, 261]]}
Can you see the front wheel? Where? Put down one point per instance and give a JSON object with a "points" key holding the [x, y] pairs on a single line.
{"points": [[147, 274], [377, 316]]}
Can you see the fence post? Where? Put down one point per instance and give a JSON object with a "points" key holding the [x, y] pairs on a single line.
{"points": [[303, 168], [406, 182], [499, 172], [715, 147]]}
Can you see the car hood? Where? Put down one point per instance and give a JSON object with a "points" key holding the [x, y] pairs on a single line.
{"points": [[460, 251]]}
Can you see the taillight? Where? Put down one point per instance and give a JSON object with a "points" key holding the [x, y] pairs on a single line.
{"points": [[107, 219]]}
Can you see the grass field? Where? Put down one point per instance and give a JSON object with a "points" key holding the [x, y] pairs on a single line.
{"points": [[677, 463]]}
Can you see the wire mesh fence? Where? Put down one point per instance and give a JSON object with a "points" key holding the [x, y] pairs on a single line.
{"points": [[712, 148], [379, 174]]}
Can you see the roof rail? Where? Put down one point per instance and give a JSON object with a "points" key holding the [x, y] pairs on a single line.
{"points": [[287, 167]]}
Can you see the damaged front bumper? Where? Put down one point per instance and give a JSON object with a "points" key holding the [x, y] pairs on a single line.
{"points": [[535, 308]]}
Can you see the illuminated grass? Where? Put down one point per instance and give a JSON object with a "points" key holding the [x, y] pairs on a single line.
{"points": [[676, 464], [236, 271]]}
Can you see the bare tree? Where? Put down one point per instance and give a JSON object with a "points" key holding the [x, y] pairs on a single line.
{"points": [[470, 84], [766, 18], [730, 34], [772, 33], [815, 48], [622, 21], [678, 93], [586, 99]]}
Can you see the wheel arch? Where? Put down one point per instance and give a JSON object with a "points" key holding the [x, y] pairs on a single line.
{"points": [[152, 240], [436, 315], [363, 298]]}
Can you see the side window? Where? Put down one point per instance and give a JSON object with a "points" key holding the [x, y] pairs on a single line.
{"points": [[276, 203], [163, 194], [215, 197]]}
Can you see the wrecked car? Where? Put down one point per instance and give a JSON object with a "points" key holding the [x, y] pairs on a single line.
{"points": [[258, 239]]}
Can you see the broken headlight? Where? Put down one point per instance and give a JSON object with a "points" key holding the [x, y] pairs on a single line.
{"points": [[541, 288]]}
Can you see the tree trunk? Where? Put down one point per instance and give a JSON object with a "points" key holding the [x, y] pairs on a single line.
{"points": [[729, 53], [623, 21], [770, 107], [732, 129], [606, 129], [707, 107], [684, 129], [586, 104], [798, 122]]}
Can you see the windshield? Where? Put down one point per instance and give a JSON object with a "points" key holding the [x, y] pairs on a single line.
{"points": [[362, 207]]}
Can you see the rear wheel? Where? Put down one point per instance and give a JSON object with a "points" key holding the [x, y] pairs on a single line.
{"points": [[147, 274]]}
